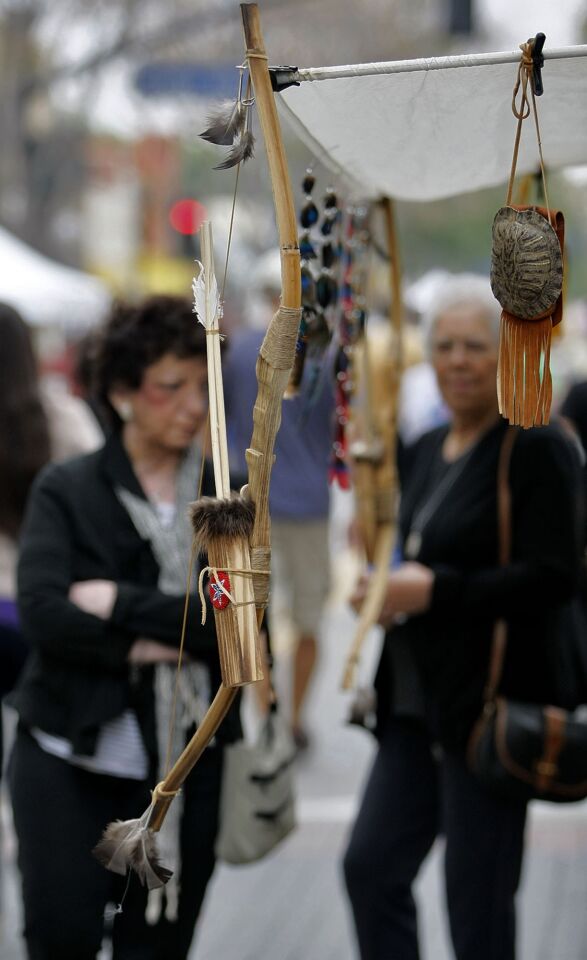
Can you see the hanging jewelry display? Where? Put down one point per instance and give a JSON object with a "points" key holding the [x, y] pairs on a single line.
{"points": [[319, 253], [352, 315], [327, 292]]}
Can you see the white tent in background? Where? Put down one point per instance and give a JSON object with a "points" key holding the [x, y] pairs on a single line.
{"points": [[427, 129], [47, 293]]}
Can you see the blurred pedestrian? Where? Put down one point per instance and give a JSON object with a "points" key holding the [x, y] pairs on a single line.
{"points": [[299, 497], [574, 414], [441, 605], [103, 566], [37, 424], [574, 408]]}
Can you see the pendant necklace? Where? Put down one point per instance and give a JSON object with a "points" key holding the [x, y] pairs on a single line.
{"points": [[413, 541]]}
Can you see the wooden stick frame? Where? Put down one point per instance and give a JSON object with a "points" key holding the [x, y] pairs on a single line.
{"points": [[382, 478]]}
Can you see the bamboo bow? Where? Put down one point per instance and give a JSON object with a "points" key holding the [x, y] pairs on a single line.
{"points": [[374, 466], [273, 369], [134, 845]]}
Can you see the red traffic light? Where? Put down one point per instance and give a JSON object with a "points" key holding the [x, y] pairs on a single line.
{"points": [[187, 216]]}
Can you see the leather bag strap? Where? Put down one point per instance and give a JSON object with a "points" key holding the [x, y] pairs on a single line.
{"points": [[504, 535]]}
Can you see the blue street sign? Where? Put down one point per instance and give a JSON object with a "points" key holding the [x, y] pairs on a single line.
{"points": [[204, 80]]}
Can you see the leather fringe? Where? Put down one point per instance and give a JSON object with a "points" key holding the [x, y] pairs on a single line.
{"points": [[524, 383]]}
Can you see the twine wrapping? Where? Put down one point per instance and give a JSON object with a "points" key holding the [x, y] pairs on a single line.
{"points": [[214, 571], [524, 77], [159, 792], [260, 563], [279, 344]]}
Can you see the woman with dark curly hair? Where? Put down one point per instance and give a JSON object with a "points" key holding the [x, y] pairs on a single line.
{"points": [[103, 566]]}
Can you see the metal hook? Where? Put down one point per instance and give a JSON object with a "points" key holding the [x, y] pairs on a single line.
{"points": [[282, 78], [538, 61]]}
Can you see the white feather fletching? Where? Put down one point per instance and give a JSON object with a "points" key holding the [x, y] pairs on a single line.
{"points": [[209, 309]]}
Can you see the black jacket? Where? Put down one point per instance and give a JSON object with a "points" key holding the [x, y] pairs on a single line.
{"points": [[451, 642], [77, 675]]}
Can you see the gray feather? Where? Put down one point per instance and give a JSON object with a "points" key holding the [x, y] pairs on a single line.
{"points": [[130, 844], [225, 124], [241, 151]]}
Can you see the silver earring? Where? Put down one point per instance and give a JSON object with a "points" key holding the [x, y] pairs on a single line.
{"points": [[124, 410]]}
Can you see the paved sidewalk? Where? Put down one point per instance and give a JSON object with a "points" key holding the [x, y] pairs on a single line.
{"points": [[292, 906]]}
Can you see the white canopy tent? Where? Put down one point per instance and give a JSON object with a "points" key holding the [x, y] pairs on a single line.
{"points": [[428, 129], [47, 293]]}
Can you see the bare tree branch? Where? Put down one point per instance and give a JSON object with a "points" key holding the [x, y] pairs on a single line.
{"points": [[131, 41]]}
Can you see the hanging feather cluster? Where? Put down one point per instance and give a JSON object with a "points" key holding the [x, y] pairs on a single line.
{"points": [[230, 126], [225, 124], [128, 844], [242, 150]]}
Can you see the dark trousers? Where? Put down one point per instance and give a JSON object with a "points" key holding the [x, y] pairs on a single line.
{"points": [[411, 797], [13, 653], [60, 812]]}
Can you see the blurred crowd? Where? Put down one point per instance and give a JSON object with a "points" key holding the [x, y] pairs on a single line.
{"points": [[99, 460]]}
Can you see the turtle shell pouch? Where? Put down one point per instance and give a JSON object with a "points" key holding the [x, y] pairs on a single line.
{"points": [[527, 280]]}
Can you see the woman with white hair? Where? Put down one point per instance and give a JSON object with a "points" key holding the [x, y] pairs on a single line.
{"points": [[441, 606]]}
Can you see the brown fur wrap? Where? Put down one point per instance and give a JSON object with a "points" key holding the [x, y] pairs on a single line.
{"points": [[214, 519]]}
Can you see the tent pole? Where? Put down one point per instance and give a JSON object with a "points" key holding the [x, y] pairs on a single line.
{"points": [[300, 75]]}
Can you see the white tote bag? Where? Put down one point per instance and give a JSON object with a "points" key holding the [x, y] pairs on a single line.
{"points": [[257, 806]]}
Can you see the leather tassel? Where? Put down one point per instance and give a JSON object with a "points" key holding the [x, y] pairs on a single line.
{"points": [[524, 382]]}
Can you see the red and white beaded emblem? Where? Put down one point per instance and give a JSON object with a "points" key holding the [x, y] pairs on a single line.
{"points": [[219, 599]]}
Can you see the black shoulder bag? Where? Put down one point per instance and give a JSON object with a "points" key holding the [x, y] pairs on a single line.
{"points": [[524, 751]]}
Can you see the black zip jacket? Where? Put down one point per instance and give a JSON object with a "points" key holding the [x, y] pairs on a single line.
{"points": [[77, 675], [451, 642]]}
